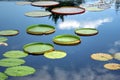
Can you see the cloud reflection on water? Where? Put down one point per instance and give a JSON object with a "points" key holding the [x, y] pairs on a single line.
{"points": [[60, 74], [71, 24]]}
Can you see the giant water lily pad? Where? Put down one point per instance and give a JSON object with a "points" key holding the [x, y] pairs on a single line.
{"points": [[117, 56], [112, 66], [55, 54], [8, 32], [68, 10], [8, 62], [3, 76], [40, 29], [15, 54], [94, 9], [38, 48], [86, 31], [20, 71], [3, 39], [101, 56], [66, 39], [23, 3], [45, 3], [38, 13]]}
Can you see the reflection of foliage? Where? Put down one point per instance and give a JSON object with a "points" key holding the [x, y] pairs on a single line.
{"points": [[117, 5]]}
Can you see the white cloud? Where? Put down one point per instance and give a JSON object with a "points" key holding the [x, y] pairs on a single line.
{"points": [[60, 74], [71, 24]]}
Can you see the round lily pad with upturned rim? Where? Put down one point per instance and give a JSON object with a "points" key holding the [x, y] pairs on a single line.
{"points": [[45, 3], [38, 13], [15, 54], [20, 71], [101, 56], [66, 39], [9, 62], [86, 31], [55, 54], [112, 66], [68, 10], [38, 48], [117, 55], [23, 2], [9, 32], [40, 29], [3, 76], [3, 39]]}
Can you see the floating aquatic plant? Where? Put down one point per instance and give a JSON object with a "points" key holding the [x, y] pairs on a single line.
{"points": [[15, 54], [112, 66], [3, 39], [55, 54], [86, 31], [67, 10], [8, 32], [8, 62], [66, 39], [94, 9], [38, 13], [3, 76], [117, 56], [45, 3], [101, 56], [20, 71], [40, 29], [38, 48], [23, 2]]}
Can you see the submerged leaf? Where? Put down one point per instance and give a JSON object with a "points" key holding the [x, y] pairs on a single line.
{"points": [[20, 71], [3, 76], [101, 56], [55, 54], [112, 66], [8, 62], [15, 54]]}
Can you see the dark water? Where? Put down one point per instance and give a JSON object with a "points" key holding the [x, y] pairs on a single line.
{"points": [[77, 65]]}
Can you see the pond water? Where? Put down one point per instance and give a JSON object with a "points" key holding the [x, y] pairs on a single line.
{"points": [[77, 65]]}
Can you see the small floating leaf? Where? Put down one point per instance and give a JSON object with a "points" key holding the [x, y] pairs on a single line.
{"points": [[94, 9], [15, 54], [101, 57], [8, 32], [3, 39], [55, 54], [38, 13], [117, 56], [23, 3], [38, 48], [20, 71], [45, 3], [66, 39], [86, 31], [8, 62], [40, 29], [112, 66], [3, 76], [67, 10]]}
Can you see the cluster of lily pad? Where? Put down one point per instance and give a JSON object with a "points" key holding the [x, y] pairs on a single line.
{"points": [[13, 64], [106, 57]]}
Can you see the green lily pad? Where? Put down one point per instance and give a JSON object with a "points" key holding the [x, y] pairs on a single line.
{"points": [[40, 29], [15, 54], [3, 76], [67, 10], [117, 56], [8, 62], [101, 56], [55, 54], [38, 48], [86, 31], [66, 39], [8, 32], [45, 3], [20, 71], [94, 9], [3, 39], [38, 13], [23, 2]]}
